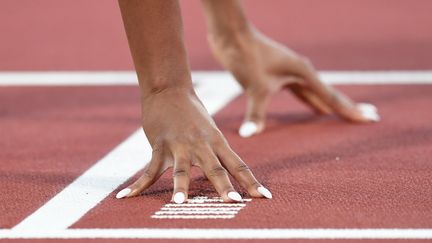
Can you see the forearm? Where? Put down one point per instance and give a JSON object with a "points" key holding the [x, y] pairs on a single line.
{"points": [[225, 20], [155, 35]]}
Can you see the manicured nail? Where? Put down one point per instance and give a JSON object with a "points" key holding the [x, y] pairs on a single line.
{"points": [[265, 192], [367, 107], [123, 193], [369, 111], [235, 196], [179, 197], [248, 129]]}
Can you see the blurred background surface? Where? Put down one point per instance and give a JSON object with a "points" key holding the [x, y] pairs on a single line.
{"points": [[335, 34]]}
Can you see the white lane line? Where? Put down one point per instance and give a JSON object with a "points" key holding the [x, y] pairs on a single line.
{"points": [[192, 216], [257, 233], [91, 187], [377, 77], [81, 78], [73, 78], [115, 168]]}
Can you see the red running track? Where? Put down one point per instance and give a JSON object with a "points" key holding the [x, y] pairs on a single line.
{"points": [[50, 136], [335, 34], [323, 172]]}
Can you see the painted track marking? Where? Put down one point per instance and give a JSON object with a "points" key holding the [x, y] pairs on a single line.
{"points": [[114, 78], [216, 209], [107, 174], [83, 78], [183, 233], [206, 212], [206, 205], [201, 209]]}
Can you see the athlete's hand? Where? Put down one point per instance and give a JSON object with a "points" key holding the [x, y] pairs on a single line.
{"points": [[182, 134], [263, 67]]}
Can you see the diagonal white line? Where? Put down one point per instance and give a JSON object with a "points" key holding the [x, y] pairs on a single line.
{"points": [[115, 168], [92, 186]]}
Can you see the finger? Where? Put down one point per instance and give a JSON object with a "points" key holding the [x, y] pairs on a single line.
{"points": [[310, 99], [241, 172], [152, 171], [347, 109], [338, 102], [254, 121], [181, 176], [217, 175]]}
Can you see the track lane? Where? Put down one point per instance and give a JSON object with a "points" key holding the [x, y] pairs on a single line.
{"points": [[324, 173], [51, 135]]}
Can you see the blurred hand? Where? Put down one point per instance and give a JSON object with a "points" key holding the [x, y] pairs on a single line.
{"points": [[264, 67], [182, 134]]}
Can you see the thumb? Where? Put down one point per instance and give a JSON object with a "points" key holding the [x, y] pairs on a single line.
{"points": [[254, 121]]}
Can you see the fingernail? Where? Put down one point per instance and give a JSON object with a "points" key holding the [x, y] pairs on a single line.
{"points": [[235, 196], [123, 193], [179, 197], [369, 111], [248, 129], [265, 192]]}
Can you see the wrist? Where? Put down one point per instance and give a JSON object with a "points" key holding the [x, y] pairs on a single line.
{"points": [[166, 93], [168, 80], [232, 41], [231, 37]]}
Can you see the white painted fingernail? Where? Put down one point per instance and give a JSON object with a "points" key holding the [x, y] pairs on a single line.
{"points": [[235, 196], [369, 111], [123, 193], [265, 192], [248, 129], [179, 197], [367, 106]]}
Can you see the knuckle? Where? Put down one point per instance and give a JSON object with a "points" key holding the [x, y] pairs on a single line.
{"points": [[182, 160], [241, 168], [261, 91], [306, 62], [157, 145], [219, 140], [217, 171], [180, 173], [198, 136], [148, 174]]}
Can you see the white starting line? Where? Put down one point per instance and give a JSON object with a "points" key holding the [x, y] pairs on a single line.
{"points": [[215, 89], [149, 233]]}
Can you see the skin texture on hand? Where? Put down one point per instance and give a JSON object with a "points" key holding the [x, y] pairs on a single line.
{"points": [[178, 127], [182, 134], [264, 67]]}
